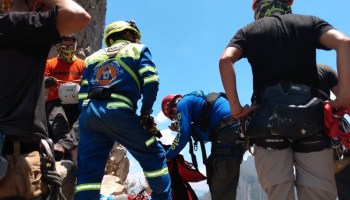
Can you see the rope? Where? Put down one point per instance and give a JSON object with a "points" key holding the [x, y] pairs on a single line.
{"points": [[48, 170], [54, 181]]}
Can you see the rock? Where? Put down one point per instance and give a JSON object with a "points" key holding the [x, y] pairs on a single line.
{"points": [[112, 185], [118, 164]]}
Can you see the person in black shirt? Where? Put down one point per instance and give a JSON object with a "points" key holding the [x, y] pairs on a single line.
{"points": [[28, 29], [281, 49]]}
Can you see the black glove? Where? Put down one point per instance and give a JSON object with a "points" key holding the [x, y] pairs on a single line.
{"points": [[50, 82], [147, 123]]}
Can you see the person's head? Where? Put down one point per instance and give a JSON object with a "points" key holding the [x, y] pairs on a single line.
{"points": [[122, 30], [67, 48], [24, 6], [169, 105], [263, 8]]}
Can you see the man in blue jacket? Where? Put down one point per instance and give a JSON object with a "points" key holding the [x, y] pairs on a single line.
{"points": [[113, 82], [207, 117]]}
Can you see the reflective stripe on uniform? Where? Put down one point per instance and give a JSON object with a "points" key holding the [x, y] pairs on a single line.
{"points": [[87, 186], [123, 98], [84, 82], [85, 102], [156, 173], [129, 70], [114, 105], [147, 68], [150, 79], [82, 96], [150, 141]]}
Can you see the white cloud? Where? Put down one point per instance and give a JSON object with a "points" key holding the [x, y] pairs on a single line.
{"points": [[200, 185], [161, 118], [168, 137], [132, 164], [203, 170]]}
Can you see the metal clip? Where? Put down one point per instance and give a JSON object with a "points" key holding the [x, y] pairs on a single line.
{"points": [[46, 147]]}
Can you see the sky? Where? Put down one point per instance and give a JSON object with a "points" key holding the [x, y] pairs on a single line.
{"points": [[187, 37]]}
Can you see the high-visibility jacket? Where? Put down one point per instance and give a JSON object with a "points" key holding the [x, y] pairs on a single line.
{"points": [[126, 70]]}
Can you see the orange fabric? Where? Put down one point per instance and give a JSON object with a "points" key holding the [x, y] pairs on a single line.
{"points": [[64, 72]]}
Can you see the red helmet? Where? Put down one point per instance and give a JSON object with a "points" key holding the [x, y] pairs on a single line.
{"points": [[255, 2], [169, 105]]}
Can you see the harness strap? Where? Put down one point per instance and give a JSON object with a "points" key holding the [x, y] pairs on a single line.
{"points": [[193, 156], [208, 104], [204, 153], [228, 151], [225, 122]]}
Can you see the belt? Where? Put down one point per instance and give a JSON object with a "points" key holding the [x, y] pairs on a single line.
{"points": [[227, 121], [25, 147], [106, 94]]}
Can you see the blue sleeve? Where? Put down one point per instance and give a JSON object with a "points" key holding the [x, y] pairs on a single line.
{"points": [[185, 119], [149, 74]]}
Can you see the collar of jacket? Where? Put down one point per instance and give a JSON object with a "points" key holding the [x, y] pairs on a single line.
{"points": [[120, 41]]}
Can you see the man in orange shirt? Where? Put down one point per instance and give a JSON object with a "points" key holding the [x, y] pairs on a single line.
{"points": [[62, 77]]}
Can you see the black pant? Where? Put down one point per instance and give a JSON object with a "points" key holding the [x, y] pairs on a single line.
{"points": [[223, 176], [60, 119], [342, 180]]}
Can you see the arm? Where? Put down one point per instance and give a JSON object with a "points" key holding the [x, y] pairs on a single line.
{"points": [[71, 17], [341, 44], [228, 77], [149, 73], [70, 141], [185, 130]]}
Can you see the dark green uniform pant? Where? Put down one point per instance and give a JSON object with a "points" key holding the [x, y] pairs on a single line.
{"points": [[223, 176]]}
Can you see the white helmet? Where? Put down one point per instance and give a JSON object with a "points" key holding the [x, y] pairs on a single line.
{"points": [[68, 92]]}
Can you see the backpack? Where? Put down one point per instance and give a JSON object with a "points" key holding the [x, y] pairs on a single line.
{"points": [[181, 173]]}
